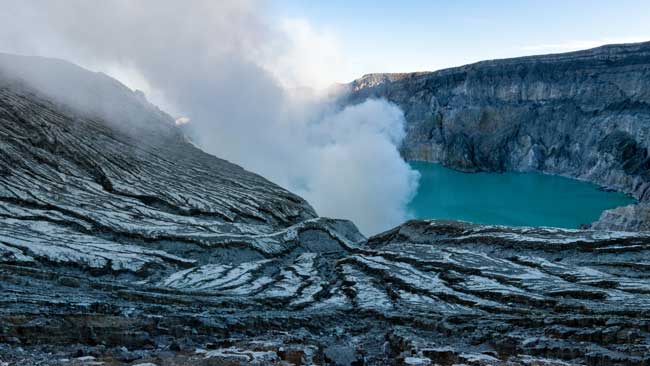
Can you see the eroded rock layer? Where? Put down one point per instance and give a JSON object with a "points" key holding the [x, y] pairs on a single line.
{"points": [[122, 243], [444, 291], [583, 114]]}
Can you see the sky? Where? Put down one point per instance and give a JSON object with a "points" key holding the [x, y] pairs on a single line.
{"points": [[426, 35]]}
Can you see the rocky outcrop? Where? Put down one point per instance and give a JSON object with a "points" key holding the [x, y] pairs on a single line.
{"points": [[626, 218], [122, 243], [583, 114]]}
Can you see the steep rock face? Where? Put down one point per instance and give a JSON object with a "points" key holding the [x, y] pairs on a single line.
{"points": [[582, 114], [121, 242]]}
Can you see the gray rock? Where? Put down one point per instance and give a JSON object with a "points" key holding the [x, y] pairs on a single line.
{"points": [[69, 281], [122, 354], [184, 258], [626, 218], [582, 114]]}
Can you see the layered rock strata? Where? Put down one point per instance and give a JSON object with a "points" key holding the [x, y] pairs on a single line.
{"points": [[584, 115], [122, 243]]}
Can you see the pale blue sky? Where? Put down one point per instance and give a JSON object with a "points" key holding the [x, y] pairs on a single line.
{"points": [[409, 35]]}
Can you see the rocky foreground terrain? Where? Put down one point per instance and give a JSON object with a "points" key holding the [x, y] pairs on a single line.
{"points": [[584, 115], [121, 243]]}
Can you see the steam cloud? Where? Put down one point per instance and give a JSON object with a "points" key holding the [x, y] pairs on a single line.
{"points": [[235, 77]]}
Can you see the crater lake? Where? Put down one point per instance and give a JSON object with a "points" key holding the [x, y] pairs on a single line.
{"points": [[513, 198]]}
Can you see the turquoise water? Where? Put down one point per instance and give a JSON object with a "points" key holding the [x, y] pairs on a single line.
{"points": [[519, 199]]}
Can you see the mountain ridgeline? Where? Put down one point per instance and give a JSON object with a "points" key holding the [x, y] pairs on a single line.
{"points": [[582, 114]]}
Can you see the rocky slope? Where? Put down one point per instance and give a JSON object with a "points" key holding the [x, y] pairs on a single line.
{"points": [[583, 114], [122, 243]]}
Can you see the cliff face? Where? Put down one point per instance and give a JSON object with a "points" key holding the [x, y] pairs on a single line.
{"points": [[122, 243], [582, 114]]}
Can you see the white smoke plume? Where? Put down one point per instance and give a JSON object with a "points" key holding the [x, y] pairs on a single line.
{"points": [[234, 78]]}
